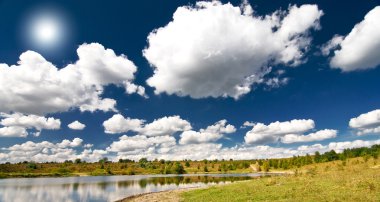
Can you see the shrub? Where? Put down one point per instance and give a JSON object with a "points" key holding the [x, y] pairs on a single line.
{"points": [[178, 168], [77, 161], [32, 166]]}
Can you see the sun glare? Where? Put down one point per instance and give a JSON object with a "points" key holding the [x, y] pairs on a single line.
{"points": [[46, 29]]}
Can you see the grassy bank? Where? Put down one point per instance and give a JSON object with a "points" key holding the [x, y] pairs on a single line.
{"points": [[356, 179], [103, 167]]}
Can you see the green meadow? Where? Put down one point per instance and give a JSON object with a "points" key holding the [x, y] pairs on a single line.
{"points": [[355, 179]]}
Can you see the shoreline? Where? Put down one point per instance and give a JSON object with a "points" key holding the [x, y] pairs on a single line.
{"points": [[173, 195], [55, 175], [167, 195]]}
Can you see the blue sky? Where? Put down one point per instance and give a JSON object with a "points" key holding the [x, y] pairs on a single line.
{"points": [[195, 71]]}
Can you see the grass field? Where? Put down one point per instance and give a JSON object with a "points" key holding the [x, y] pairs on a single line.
{"points": [[355, 179]]}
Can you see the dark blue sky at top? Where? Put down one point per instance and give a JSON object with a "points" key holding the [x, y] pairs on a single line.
{"points": [[314, 91]]}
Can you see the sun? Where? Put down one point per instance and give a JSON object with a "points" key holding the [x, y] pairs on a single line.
{"points": [[46, 29]]}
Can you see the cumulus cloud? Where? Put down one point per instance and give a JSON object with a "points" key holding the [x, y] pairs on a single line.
{"points": [[219, 50], [138, 142], [42, 151], [360, 49], [331, 45], [210, 134], [13, 131], [165, 126], [340, 146], [286, 132], [118, 124], [217, 151], [366, 123], [76, 125], [46, 151], [317, 136], [159, 127], [36, 86], [17, 125], [262, 133], [160, 147], [88, 146], [131, 88], [248, 123]]}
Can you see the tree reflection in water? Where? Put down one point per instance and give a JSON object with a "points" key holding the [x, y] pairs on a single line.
{"points": [[105, 188], [177, 180]]}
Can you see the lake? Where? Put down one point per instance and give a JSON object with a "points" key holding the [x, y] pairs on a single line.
{"points": [[105, 188]]}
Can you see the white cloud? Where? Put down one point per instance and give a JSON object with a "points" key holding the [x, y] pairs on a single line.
{"points": [[248, 123], [218, 50], [286, 132], [159, 127], [331, 45], [87, 146], [167, 125], [374, 130], [308, 149], [217, 151], [30, 121], [106, 104], [76, 142], [366, 123], [360, 49], [137, 142], [90, 155], [160, 147], [118, 124], [76, 125], [340, 146], [36, 86], [317, 136], [131, 88], [276, 82], [42, 151], [210, 134], [262, 133], [16, 124], [366, 120], [13, 131]]}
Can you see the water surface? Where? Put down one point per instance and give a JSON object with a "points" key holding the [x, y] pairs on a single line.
{"points": [[104, 188]]}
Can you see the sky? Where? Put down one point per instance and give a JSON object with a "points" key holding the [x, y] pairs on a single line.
{"points": [[187, 79]]}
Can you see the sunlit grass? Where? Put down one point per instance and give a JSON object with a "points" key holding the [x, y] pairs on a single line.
{"points": [[352, 180]]}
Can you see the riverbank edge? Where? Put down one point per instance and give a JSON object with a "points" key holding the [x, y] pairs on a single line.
{"points": [[174, 192], [52, 175]]}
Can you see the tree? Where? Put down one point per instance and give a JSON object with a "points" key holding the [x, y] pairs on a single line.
{"points": [[331, 155], [265, 166], [143, 162], [32, 165], [308, 160], [317, 157], [205, 169], [125, 160], [178, 168], [103, 160], [187, 164], [77, 161]]}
